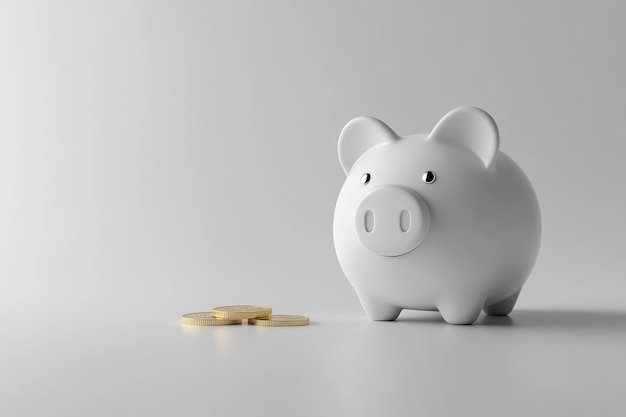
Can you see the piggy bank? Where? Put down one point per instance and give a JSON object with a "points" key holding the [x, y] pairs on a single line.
{"points": [[441, 222]]}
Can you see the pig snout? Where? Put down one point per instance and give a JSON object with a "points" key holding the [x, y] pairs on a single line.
{"points": [[392, 221]]}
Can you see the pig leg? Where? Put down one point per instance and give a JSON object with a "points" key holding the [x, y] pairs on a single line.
{"points": [[460, 310], [502, 308], [379, 311]]}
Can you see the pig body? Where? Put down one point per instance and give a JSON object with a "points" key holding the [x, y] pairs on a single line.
{"points": [[442, 221]]}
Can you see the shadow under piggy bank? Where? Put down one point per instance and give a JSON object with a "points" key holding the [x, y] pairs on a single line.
{"points": [[560, 319], [604, 320]]}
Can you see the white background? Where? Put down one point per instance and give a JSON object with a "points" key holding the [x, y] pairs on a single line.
{"points": [[164, 157]]}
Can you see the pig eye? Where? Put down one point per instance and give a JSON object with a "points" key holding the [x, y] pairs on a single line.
{"points": [[365, 178], [428, 177]]}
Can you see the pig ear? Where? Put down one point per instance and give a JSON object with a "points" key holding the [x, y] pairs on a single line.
{"points": [[358, 136], [470, 128]]}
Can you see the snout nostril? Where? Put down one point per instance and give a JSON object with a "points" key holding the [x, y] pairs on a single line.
{"points": [[369, 221], [405, 221]]}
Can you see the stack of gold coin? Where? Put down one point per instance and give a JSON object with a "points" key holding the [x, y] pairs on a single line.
{"points": [[256, 315], [206, 319], [241, 312], [278, 320]]}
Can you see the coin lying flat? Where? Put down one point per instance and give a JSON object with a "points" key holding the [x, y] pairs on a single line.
{"points": [[277, 320], [206, 319], [241, 312]]}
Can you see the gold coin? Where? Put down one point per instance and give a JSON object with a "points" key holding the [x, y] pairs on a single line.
{"points": [[277, 320], [206, 319], [241, 312]]}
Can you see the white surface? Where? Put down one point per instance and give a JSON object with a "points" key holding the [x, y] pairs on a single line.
{"points": [[537, 362]]}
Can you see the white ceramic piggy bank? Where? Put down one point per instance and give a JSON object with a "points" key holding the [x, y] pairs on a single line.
{"points": [[442, 221]]}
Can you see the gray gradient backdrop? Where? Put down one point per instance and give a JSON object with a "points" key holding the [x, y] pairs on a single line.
{"points": [[162, 157]]}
